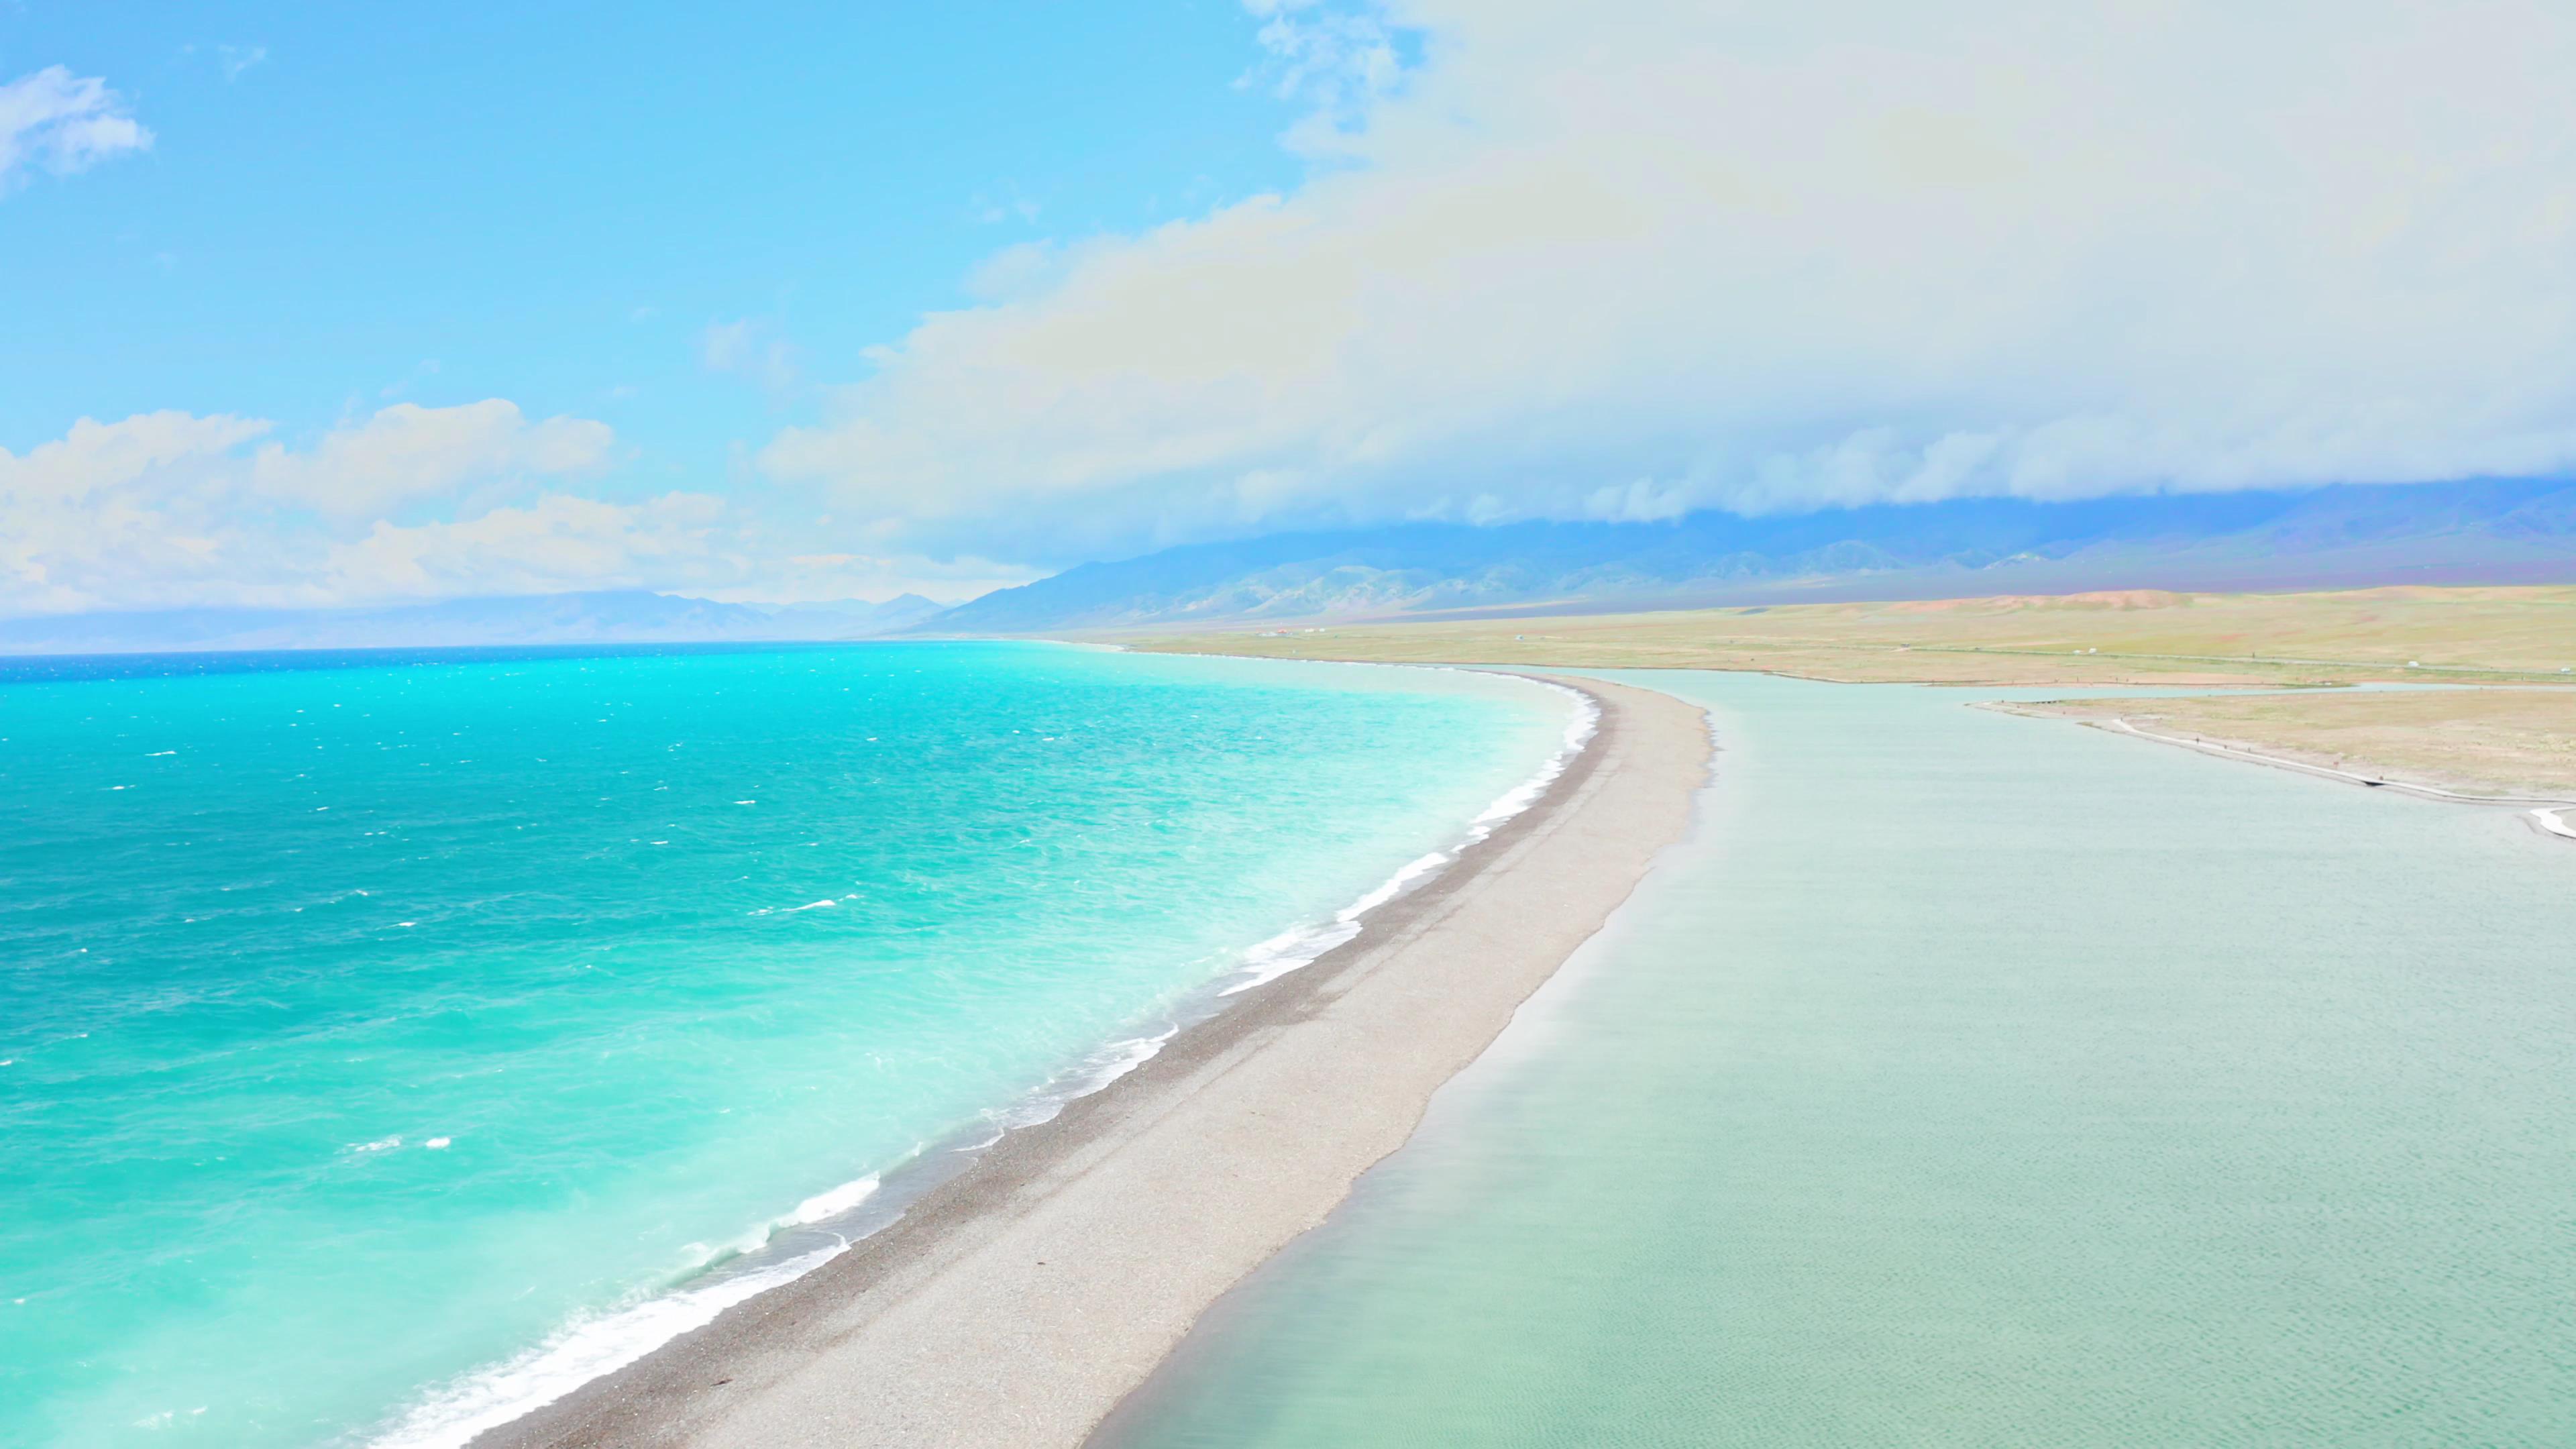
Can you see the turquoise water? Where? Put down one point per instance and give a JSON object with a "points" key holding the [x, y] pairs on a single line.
{"points": [[1971, 1080], [366, 1028]]}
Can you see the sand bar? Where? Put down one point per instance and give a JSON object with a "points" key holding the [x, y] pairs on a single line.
{"points": [[1018, 1303]]}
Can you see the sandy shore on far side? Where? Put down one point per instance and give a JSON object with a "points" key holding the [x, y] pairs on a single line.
{"points": [[1016, 1304]]}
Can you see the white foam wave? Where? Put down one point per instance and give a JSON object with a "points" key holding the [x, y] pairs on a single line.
{"points": [[1394, 885], [791, 910], [834, 1203], [602, 1344], [1302, 946], [1085, 1077], [1298, 946], [1578, 733], [583, 1350]]}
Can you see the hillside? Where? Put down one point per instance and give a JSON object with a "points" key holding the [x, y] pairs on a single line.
{"points": [[2343, 536]]}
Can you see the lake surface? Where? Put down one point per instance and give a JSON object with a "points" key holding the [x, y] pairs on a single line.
{"points": [[1971, 1080], [386, 1040]]}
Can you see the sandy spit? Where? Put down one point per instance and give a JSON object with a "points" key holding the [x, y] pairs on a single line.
{"points": [[1016, 1304]]}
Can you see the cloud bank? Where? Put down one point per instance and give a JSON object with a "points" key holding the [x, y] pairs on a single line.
{"points": [[173, 508], [1628, 260]]}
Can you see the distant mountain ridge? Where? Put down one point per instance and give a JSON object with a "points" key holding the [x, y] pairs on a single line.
{"points": [[615, 616], [2349, 535], [2345, 536]]}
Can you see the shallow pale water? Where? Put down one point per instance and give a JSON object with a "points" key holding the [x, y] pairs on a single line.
{"points": [[1973, 1080], [364, 1027]]}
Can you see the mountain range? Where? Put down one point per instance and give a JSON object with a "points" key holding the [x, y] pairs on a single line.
{"points": [[2343, 536]]}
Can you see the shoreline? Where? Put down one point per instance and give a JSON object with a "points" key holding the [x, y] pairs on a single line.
{"points": [[2547, 813], [1019, 1299], [2232, 751]]}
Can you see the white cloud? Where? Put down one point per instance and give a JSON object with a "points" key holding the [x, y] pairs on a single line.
{"points": [[1004, 203], [63, 123], [1626, 260], [750, 347], [172, 510], [1339, 57], [96, 458], [406, 453], [556, 542]]}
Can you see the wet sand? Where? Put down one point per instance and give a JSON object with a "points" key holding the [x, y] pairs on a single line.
{"points": [[1017, 1303]]}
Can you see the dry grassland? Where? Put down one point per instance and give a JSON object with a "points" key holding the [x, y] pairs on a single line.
{"points": [[2479, 741], [2486, 740], [2469, 635]]}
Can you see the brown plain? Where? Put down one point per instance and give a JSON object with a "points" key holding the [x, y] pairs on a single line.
{"points": [[2137, 636], [2479, 741], [2486, 739]]}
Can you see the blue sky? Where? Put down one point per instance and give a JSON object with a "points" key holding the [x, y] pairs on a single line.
{"points": [[314, 304], [551, 202]]}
